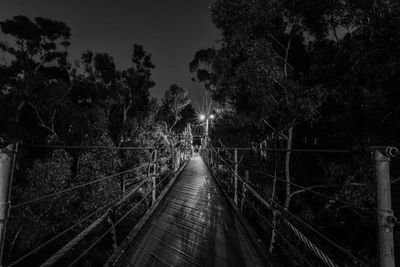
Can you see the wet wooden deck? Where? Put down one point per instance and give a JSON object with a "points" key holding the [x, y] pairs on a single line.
{"points": [[193, 226]]}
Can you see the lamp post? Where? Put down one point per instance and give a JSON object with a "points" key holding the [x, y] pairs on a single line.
{"points": [[206, 118]]}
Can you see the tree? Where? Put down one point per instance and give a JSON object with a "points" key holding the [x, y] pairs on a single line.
{"points": [[300, 67], [202, 65], [123, 95], [45, 99], [260, 63], [174, 101], [39, 67], [188, 115]]}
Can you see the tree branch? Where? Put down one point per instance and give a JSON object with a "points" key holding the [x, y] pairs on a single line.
{"points": [[306, 189], [395, 180], [170, 129], [277, 41], [273, 128], [41, 122]]}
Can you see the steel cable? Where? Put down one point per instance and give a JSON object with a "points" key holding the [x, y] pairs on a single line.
{"points": [[343, 202], [86, 147], [109, 230], [65, 231], [73, 188], [340, 151], [313, 229], [279, 233]]}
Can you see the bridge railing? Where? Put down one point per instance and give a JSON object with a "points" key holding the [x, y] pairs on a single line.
{"points": [[67, 218], [255, 181]]}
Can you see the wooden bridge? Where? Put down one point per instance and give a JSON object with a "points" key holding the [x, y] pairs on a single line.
{"points": [[194, 225], [184, 209]]}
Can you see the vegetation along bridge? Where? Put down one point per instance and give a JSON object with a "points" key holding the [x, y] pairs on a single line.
{"points": [[174, 207]]}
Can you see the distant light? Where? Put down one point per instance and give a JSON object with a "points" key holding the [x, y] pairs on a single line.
{"points": [[202, 117], [212, 116]]}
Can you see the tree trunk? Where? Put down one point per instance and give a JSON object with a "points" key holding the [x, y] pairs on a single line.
{"points": [[175, 122], [287, 164], [273, 232]]}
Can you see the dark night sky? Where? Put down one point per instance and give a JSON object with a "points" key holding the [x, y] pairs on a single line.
{"points": [[171, 30]]}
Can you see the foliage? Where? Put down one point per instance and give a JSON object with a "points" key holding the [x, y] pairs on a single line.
{"points": [[47, 100], [174, 102], [325, 71]]}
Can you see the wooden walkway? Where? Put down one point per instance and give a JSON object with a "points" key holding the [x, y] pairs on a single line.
{"points": [[193, 226]]}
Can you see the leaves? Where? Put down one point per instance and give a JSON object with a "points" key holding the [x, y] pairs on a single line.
{"points": [[44, 99], [174, 101]]}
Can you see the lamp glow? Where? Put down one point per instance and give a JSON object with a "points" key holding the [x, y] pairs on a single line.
{"points": [[212, 116], [202, 117]]}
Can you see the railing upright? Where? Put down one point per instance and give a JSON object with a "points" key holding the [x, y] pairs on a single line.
{"points": [[236, 177], [218, 155], [244, 189], [7, 161], [385, 217], [154, 177], [211, 157]]}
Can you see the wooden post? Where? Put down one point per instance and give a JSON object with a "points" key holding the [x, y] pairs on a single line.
{"points": [[385, 218], [154, 180], [7, 160], [235, 199]]}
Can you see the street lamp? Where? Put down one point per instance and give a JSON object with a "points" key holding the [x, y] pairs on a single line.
{"points": [[206, 117]]}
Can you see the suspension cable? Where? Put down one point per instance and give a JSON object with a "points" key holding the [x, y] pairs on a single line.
{"points": [[230, 168], [306, 189], [343, 202], [65, 231], [44, 146], [279, 233], [165, 177], [73, 188], [109, 230], [344, 151], [312, 228], [315, 230]]}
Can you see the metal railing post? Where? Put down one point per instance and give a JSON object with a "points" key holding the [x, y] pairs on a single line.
{"points": [[7, 160], [235, 199], [176, 160], [244, 189], [211, 157], [154, 177], [385, 218], [218, 156]]}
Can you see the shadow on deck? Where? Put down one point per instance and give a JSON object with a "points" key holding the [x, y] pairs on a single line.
{"points": [[194, 225]]}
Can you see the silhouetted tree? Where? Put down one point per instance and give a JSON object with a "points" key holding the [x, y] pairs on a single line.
{"points": [[174, 101]]}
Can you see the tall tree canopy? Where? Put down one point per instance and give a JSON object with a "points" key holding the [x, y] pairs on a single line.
{"points": [[46, 99], [173, 103], [321, 70]]}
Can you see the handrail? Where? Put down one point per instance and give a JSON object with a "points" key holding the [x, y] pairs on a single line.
{"points": [[359, 151], [69, 246], [272, 204], [108, 209]]}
